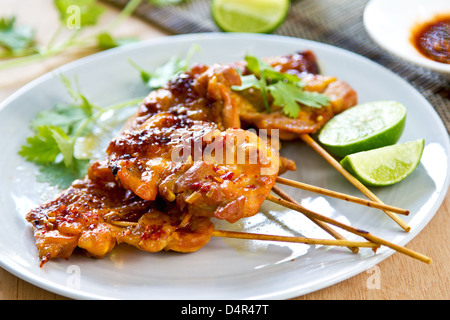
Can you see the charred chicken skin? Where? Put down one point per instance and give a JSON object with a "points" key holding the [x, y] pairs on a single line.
{"points": [[223, 174]]}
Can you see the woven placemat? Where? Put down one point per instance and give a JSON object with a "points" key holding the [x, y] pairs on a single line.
{"points": [[335, 22]]}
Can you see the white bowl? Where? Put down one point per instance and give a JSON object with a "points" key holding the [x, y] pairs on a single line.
{"points": [[389, 23]]}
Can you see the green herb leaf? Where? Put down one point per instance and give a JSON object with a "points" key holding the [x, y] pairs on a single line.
{"points": [[17, 39], [84, 104], [41, 147], [79, 13], [258, 67], [52, 147], [57, 174], [162, 75], [65, 145], [247, 82], [286, 89], [287, 95], [106, 41], [65, 116]]}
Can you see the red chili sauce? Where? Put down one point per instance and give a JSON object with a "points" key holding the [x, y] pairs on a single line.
{"points": [[432, 38]]}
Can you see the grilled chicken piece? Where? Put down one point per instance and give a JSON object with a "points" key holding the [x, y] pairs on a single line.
{"points": [[231, 186], [223, 174], [203, 93], [140, 158], [156, 231], [82, 215]]}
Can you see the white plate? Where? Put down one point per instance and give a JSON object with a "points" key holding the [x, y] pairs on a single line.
{"points": [[224, 269], [389, 23]]}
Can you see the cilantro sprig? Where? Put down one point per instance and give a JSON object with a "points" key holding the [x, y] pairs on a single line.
{"points": [[161, 76], [55, 133], [285, 89]]}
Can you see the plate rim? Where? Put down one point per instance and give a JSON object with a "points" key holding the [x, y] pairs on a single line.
{"points": [[68, 292]]}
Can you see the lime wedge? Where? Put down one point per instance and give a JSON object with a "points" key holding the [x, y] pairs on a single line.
{"points": [[385, 166], [259, 16], [364, 127]]}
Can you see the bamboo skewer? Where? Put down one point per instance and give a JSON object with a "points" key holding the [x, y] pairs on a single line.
{"points": [[326, 242], [312, 215], [312, 143], [362, 233], [321, 224], [267, 237], [342, 196]]}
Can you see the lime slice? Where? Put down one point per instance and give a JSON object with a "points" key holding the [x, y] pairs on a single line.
{"points": [[385, 166], [259, 16], [364, 127]]}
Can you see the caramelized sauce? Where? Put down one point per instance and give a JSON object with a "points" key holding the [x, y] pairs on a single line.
{"points": [[432, 38]]}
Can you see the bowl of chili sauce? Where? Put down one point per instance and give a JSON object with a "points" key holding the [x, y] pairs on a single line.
{"points": [[415, 30], [432, 38]]}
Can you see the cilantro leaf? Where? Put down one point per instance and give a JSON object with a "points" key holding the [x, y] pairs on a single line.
{"points": [[65, 145], [41, 147], [57, 174], [165, 73], [84, 12], [56, 131], [65, 116], [286, 89], [247, 82], [287, 95], [106, 41], [16, 39], [258, 67], [161, 76], [84, 104]]}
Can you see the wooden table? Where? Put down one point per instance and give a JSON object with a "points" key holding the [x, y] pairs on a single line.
{"points": [[400, 277]]}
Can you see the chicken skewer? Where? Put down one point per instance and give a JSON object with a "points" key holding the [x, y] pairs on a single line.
{"points": [[266, 237], [152, 108], [214, 84], [140, 173], [170, 199], [310, 120]]}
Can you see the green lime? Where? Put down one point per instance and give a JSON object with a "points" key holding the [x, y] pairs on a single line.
{"points": [[385, 166], [364, 127], [259, 16]]}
